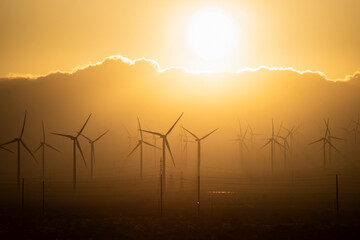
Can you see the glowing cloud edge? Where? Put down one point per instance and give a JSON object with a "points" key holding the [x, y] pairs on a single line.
{"points": [[161, 70]]}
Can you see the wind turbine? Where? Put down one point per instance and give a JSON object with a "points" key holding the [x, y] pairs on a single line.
{"points": [[20, 142], [165, 145], [324, 141], [272, 140], [130, 137], [92, 151], [241, 138], [198, 140], [252, 134], [330, 137], [286, 144], [42, 145], [140, 144], [76, 144]]}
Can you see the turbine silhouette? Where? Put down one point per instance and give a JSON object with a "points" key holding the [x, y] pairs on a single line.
{"points": [[19, 142], [272, 140], [198, 140], [140, 145], [92, 151], [76, 144], [42, 146], [330, 137], [325, 140], [165, 145], [241, 138]]}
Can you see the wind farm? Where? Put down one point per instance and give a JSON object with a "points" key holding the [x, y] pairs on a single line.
{"points": [[179, 120]]}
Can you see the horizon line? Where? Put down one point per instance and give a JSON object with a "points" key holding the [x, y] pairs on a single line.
{"points": [[126, 60]]}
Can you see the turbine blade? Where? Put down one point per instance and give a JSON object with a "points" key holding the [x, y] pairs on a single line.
{"points": [[168, 147], [23, 127], [151, 145], [37, 149], [85, 137], [81, 152], [278, 143], [101, 135], [63, 135], [265, 144], [155, 133], [4, 148], [191, 133], [141, 134], [272, 127], [137, 145], [331, 145], [12, 141], [338, 138], [173, 125], [84, 125], [321, 139], [28, 149], [53, 148], [208, 134]]}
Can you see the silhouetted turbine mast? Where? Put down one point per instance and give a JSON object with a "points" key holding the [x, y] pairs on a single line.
{"points": [[198, 140]]}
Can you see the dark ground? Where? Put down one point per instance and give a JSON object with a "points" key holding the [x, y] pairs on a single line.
{"points": [[84, 226]]}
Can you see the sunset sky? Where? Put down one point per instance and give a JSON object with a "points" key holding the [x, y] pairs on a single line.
{"points": [[40, 36]]}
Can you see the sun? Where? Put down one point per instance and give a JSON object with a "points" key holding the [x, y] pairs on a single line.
{"points": [[211, 34]]}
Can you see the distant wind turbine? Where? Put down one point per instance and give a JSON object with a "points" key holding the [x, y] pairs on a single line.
{"points": [[286, 145], [198, 140], [241, 138], [42, 146], [324, 140], [140, 144], [330, 137], [164, 146], [272, 140], [76, 144], [92, 152], [20, 141]]}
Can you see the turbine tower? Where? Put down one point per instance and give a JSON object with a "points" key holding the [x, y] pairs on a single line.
{"points": [[20, 142], [198, 140], [42, 146], [140, 144], [92, 152], [272, 140], [165, 144], [76, 144]]}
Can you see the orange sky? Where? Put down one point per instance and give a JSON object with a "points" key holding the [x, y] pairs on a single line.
{"points": [[39, 36]]}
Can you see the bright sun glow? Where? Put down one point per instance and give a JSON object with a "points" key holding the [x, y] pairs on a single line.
{"points": [[211, 34]]}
